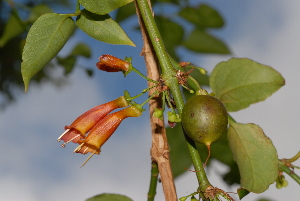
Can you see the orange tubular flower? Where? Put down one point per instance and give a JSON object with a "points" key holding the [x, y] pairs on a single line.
{"points": [[110, 63], [89, 119], [102, 131]]}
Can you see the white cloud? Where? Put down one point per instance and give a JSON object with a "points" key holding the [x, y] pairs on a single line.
{"points": [[37, 168], [269, 35]]}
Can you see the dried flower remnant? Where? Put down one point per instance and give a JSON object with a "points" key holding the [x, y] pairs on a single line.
{"points": [[84, 123], [102, 131], [110, 63]]}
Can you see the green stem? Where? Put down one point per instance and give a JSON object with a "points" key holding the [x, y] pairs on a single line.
{"points": [[288, 171], [293, 159], [142, 93], [168, 74], [77, 7], [146, 101], [198, 87], [153, 181], [143, 76]]}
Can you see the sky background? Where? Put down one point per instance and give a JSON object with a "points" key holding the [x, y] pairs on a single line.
{"points": [[35, 167]]}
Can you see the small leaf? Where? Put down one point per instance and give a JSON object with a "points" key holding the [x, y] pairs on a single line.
{"points": [[89, 72], [37, 11], [125, 12], [172, 36], [166, 1], [242, 193], [201, 79], [255, 155], [67, 62], [45, 39], [102, 28], [204, 16], [13, 28], [82, 50], [179, 154], [104, 6], [241, 82], [201, 41], [109, 197]]}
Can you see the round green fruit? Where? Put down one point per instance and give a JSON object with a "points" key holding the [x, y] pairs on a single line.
{"points": [[204, 119]]}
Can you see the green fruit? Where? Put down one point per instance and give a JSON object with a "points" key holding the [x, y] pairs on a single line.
{"points": [[204, 119]]}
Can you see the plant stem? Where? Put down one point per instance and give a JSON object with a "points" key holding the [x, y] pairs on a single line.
{"points": [[168, 74], [160, 148], [148, 99], [293, 159], [288, 171], [153, 181], [143, 76], [77, 7], [140, 94]]}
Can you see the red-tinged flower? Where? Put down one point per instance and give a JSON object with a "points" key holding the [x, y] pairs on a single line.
{"points": [[90, 118], [102, 131], [110, 63]]}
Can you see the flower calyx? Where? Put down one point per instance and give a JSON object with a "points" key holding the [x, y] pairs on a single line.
{"points": [[158, 113]]}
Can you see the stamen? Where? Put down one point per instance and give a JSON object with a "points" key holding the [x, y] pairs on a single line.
{"points": [[85, 150], [88, 159], [78, 148], [64, 144], [58, 139]]}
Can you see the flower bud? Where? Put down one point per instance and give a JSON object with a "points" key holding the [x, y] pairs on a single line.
{"points": [[110, 63], [102, 131], [90, 118]]}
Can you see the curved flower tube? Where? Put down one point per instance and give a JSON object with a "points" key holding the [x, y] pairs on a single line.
{"points": [[110, 63], [102, 131], [89, 119]]}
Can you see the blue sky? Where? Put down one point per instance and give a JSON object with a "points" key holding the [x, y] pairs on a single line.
{"points": [[34, 167]]}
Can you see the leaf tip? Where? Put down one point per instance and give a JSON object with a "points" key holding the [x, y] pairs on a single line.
{"points": [[25, 80], [132, 44], [242, 192], [25, 85]]}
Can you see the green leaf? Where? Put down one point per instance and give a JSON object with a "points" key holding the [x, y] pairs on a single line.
{"points": [[82, 50], [242, 193], [125, 11], [45, 39], [102, 28], [37, 11], [68, 63], [241, 82], [203, 16], [220, 151], [104, 6], [165, 1], [179, 154], [201, 41], [201, 79], [14, 27], [172, 36], [255, 155], [109, 197]]}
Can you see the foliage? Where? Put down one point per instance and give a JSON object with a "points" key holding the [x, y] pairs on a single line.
{"points": [[250, 155]]}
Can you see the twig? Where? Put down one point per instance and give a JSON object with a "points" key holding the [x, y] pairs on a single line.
{"points": [[153, 181], [160, 148]]}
